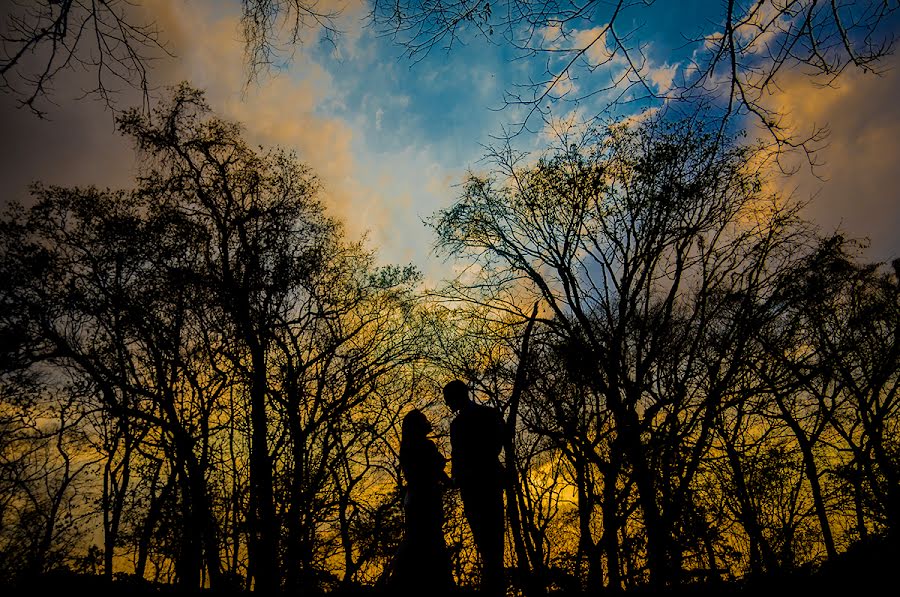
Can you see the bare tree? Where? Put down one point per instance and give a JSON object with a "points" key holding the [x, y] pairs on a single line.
{"points": [[594, 48], [45, 468], [43, 39], [116, 42], [591, 48], [844, 315], [633, 241], [241, 356], [269, 25], [99, 282]]}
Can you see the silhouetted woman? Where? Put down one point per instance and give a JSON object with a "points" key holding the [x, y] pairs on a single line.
{"points": [[422, 563]]}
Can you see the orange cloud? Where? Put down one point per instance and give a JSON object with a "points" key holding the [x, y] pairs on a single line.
{"points": [[279, 109], [858, 192], [78, 145]]}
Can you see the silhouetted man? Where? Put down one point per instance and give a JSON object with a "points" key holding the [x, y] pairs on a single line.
{"points": [[476, 438]]}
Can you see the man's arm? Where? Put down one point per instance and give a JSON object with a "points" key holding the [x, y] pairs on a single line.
{"points": [[454, 453], [500, 430]]}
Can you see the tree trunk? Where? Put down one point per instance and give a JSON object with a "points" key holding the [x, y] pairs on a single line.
{"points": [[587, 547], [609, 510], [761, 556], [265, 543], [149, 524], [533, 587], [812, 475], [657, 536], [294, 541], [190, 556], [114, 504]]}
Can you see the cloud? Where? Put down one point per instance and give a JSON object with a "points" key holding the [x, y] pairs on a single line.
{"points": [[661, 76], [859, 194], [558, 129], [561, 86], [596, 44], [79, 145]]}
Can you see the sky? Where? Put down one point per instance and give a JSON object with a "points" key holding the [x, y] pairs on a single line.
{"points": [[391, 139]]}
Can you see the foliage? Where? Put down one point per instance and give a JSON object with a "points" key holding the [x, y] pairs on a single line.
{"points": [[207, 377]]}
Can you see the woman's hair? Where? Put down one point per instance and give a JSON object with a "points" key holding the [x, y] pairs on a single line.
{"points": [[415, 424]]}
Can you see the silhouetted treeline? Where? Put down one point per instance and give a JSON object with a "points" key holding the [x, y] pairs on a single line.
{"points": [[203, 379], [203, 366]]}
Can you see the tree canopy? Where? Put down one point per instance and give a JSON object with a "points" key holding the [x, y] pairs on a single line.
{"points": [[738, 61], [203, 378]]}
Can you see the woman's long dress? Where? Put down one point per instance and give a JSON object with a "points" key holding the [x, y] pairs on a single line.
{"points": [[423, 563]]}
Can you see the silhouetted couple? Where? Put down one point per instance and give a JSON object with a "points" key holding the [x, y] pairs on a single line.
{"points": [[476, 438]]}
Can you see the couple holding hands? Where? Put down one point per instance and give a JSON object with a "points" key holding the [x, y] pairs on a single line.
{"points": [[422, 563]]}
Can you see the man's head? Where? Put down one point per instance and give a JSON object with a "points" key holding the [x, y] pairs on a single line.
{"points": [[456, 395]]}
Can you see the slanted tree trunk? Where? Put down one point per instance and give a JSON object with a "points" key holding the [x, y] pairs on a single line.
{"points": [[151, 519], [533, 586], [762, 558]]}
